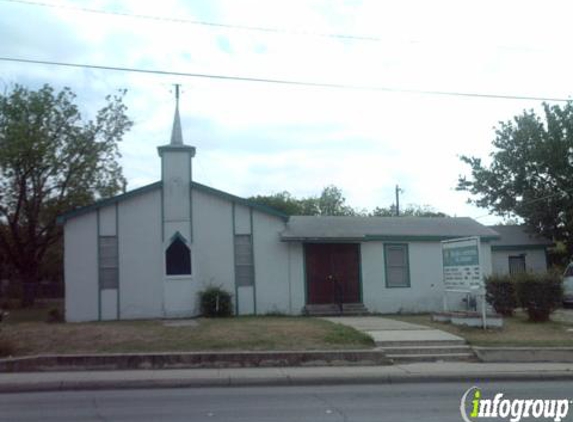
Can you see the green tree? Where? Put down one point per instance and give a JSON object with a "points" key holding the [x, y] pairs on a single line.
{"points": [[531, 172], [51, 160], [410, 211], [330, 202], [281, 201]]}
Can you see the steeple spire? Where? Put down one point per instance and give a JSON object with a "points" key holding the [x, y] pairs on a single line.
{"points": [[176, 133]]}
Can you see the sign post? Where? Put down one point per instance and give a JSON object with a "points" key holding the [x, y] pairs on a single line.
{"points": [[462, 269]]}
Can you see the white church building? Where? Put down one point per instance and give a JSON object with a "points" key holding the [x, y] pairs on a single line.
{"points": [[148, 252]]}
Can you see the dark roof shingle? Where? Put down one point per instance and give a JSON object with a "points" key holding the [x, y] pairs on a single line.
{"points": [[518, 235], [370, 228]]}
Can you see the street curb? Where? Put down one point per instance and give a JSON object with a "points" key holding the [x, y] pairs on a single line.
{"points": [[274, 381], [506, 354], [193, 360]]}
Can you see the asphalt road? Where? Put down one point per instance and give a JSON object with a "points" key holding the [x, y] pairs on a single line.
{"points": [[424, 402]]}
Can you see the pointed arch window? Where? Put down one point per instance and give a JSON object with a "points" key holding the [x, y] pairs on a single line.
{"points": [[178, 257]]}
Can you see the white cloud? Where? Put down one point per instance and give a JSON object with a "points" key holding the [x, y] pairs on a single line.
{"points": [[261, 138]]}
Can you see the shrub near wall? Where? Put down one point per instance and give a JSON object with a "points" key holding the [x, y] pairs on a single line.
{"points": [[501, 294], [216, 302], [539, 294]]}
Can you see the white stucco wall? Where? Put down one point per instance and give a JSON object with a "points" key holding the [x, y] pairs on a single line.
{"points": [[296, 277], [107, 221], [242, 220], [109, 304], [140, 256], [426, 287], [81, 268], [213, 251], [176, 167], [271, 265], [245, 300], [535, 260]]}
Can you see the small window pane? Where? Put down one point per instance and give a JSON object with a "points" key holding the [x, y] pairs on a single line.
{"points": [[108, 278], [397, 277], [110, 262], [243, 239], [244, 275], [396, 256]]}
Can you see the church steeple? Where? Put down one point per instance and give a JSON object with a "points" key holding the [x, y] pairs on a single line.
{"points": [[176, 133], [176, 175]]}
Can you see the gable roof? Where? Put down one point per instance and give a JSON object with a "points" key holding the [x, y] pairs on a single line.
{"points": [[107, 201], [304, 228], [238, 200], [518, 237], [158, 185]]}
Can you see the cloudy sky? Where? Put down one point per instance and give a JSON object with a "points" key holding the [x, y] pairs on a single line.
{"points": [[261, 138]]}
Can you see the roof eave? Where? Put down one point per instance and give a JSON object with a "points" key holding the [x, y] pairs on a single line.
{"points": [[521, 247], [387, 238]]}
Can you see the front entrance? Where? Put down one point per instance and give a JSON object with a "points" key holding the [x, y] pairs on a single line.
{"points": [[332, 273]]}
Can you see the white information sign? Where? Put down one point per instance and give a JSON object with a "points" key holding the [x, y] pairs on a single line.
{"points": [[462, 269]]}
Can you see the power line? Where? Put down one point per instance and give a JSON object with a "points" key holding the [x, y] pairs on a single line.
{"points": [[199, 22], [274, 30], [284, 81]]}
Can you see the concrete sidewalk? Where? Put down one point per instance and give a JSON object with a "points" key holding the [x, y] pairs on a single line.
{"points": [[419, 372], [386, 330]]}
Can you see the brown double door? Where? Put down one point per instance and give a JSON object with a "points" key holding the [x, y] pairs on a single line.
{"points": [[332, 272]]}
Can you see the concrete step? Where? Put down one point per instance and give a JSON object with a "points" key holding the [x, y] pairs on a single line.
{"points": [[422, 350], [419, 343], [337, 313], [432, 357], [355, 309]]}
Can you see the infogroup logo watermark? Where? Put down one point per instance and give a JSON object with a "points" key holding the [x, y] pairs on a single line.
{"points": [[474, 406]]}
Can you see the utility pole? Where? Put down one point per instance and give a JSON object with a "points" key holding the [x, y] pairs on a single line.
{"points": [[398, 191]]}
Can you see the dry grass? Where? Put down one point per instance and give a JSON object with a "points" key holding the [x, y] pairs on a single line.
{"points": [[39, 312], [516, 331], [243, 333]]}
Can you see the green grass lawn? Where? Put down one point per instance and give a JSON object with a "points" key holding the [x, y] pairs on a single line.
{"points": [[240, 333], [516, 331]]}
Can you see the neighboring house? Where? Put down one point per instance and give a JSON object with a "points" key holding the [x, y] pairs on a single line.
{"points": [[518, 250], [147, 253]]}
